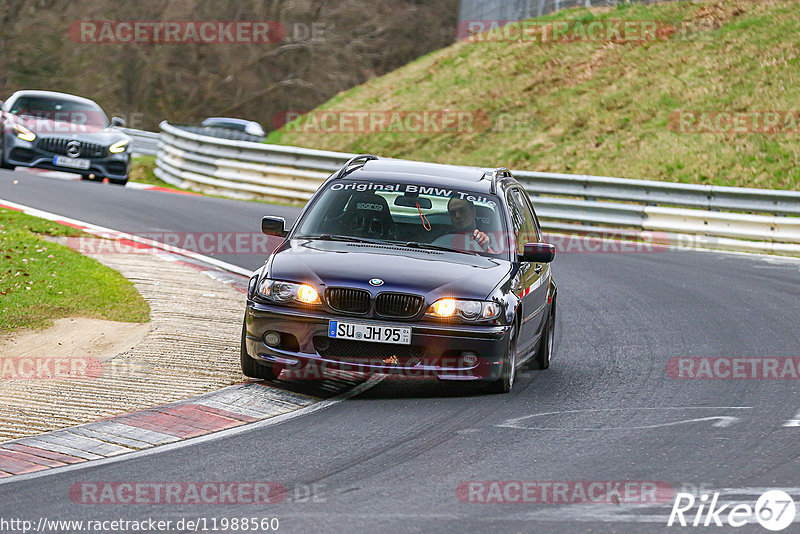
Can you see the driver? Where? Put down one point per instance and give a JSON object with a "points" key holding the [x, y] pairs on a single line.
{"points": [[465, 234]]}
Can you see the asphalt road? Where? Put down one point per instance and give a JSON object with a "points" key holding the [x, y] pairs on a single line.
{"points": [[392, 459], [151, 213]]}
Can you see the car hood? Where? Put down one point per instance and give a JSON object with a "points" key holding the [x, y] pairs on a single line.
{"points": [[51, 128], [433, 274]]}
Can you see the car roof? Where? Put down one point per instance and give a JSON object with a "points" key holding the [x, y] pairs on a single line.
{"points": [[52, 94], [417, 172]]}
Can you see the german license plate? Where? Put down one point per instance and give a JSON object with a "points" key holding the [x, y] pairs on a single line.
{"points": [[368, 332], [73, 163]]}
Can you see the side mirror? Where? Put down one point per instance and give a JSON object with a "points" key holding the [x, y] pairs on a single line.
{"points": [[538, 253], [118, 121], [274, 226]]}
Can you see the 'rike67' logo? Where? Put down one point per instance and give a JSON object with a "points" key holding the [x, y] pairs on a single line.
{"points": [[774, 510]]}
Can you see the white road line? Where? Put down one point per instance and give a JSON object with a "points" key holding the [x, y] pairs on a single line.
{"points": [[722, 421], [137, 185], [95, 229], [793, 422], [58, 175]]}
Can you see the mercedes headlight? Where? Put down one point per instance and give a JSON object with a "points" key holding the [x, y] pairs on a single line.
{"points": [[24, 133], [119, 146]]}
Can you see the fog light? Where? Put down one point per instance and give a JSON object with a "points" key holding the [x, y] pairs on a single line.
{"points": [[273, 339], [469, 358]]}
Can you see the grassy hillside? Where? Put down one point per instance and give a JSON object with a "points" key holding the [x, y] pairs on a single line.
{"points": [[599, 107]]}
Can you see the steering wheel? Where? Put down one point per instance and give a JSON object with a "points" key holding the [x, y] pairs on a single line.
{"points": [[461, 241]]}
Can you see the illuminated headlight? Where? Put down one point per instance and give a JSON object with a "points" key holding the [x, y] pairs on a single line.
{"points": [[119, 146], [24, 133], [466, 310], [287, 292]]}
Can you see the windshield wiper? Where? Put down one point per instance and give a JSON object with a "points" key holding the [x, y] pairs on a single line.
{"points": [[409, 244], [428, 246], [337, 237]]}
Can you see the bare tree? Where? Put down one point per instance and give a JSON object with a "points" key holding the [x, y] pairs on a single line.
{"points": [[330, 46]]}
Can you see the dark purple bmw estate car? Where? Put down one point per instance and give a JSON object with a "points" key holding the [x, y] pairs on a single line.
{"points": [[405, 267]]}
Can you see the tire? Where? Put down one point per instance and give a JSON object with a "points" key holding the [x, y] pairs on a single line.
{"points": [[254, 369], [509, 372], [3, 164], [542, 359]]}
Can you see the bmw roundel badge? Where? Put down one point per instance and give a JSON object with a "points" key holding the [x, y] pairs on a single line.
{"points": [[376, 282]]}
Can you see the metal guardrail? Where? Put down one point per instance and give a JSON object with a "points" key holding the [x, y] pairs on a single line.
{"points": [[142, 143], [242, 169], [520, 9], [734, 218], [508, 10], [708, 197]]}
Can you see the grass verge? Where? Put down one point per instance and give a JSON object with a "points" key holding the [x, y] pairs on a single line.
{"points": [[41, 281], [142, 172], [601, 107]]}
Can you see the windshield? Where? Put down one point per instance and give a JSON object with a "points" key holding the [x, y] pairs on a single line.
{"points": [[59, 109], [424, 216]]}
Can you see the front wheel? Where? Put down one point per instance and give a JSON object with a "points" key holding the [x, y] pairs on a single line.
{"points": [[252, 368], [542, 359], [509, 372], [3, 163]]}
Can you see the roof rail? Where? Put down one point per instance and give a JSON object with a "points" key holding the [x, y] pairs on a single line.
{"points": [[500, 172], [341, 173]]}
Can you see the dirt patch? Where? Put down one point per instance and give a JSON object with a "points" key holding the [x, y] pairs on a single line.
{"points": [[75, 337]]}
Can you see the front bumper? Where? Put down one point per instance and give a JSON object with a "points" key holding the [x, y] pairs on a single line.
{"points": [[436, 350], [28, 154]]}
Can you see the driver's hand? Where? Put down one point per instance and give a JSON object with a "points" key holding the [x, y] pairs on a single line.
{"points": [[483, 240]]}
